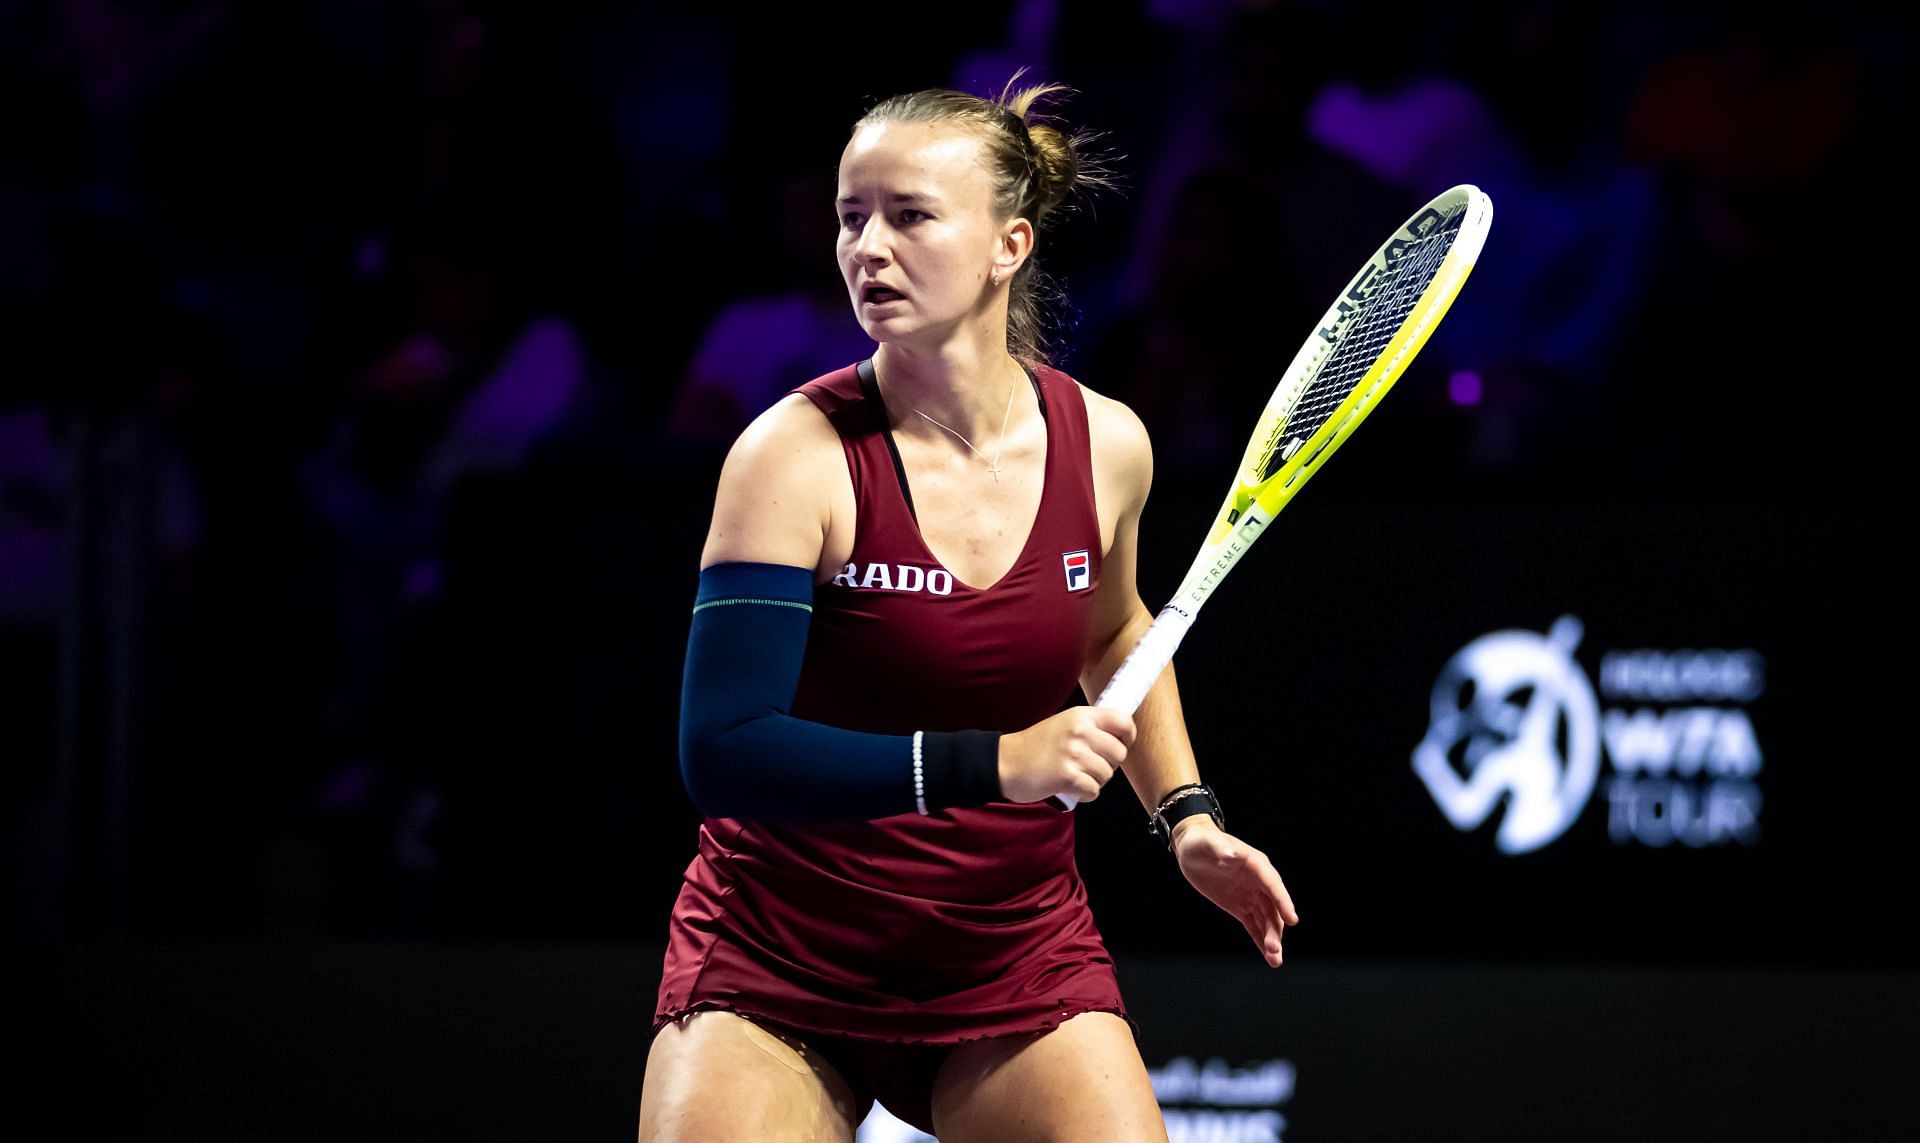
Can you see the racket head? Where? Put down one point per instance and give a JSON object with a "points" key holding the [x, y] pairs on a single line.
{"points": [[1361, 345]]}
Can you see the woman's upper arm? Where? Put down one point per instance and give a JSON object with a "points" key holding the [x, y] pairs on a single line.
{"points": [[774, 503], [1122, 476]]}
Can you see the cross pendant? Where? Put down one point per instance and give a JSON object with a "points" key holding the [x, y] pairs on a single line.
{"points": [[993, 466]]}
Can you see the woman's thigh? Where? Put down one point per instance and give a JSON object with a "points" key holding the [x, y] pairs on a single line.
{"points": [[717, 1076], [1081, 1081]]}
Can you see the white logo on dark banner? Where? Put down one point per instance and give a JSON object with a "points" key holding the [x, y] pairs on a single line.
{"points": [[1217, 1103], [1211, 1102], [1514, 721]]}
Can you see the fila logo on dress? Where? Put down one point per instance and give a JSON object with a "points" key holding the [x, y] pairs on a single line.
{"points": [[1077, 567]]}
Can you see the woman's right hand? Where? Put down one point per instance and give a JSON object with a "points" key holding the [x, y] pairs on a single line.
{"points": [[1075, 752]]}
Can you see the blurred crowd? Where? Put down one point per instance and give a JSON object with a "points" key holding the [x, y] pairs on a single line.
{"points": [[336, 326]]}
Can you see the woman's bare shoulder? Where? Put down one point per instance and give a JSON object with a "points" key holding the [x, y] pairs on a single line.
{"points": [[775, 495], [790, 431], [1121, 444]]}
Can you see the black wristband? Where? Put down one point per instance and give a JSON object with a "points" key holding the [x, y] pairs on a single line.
{"points": [[1181, 803], [961, 768]]}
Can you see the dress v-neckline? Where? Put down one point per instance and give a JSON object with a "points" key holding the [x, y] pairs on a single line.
{"points": [[870, 386]]}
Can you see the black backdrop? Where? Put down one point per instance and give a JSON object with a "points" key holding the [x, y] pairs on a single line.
{"points": [[1306, 685], [222, 926]]}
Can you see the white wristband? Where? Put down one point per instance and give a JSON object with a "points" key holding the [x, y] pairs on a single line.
{"points": [[919, 776]]}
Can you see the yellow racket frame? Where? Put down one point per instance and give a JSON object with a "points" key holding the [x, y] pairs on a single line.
{"points": [[1257, 496], [1255, 499]]}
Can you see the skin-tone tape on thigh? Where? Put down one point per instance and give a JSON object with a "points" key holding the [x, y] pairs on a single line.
{"points": [[776, 1047]]}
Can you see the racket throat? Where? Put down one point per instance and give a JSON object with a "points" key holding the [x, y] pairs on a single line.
{"points": [[1244, 525]]}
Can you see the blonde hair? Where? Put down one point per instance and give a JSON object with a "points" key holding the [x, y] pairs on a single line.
{"points": [[1041, 168]]}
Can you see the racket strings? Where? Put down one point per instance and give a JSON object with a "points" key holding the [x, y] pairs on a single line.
{"points": [[1369, 330]]}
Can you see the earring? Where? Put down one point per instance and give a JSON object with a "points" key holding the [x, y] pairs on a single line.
{"points": [[996, 277]]}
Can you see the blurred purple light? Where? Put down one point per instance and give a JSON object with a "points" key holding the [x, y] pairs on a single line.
{"points": [[1464, 387]]}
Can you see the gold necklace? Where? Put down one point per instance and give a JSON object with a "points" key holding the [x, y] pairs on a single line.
{"points": [[993, 466]]}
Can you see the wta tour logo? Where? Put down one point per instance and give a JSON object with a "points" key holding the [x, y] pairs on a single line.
{"points": [[1515, 722]]}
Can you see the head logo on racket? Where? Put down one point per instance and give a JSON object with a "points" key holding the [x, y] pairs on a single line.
{"points": [[1078, 568]]}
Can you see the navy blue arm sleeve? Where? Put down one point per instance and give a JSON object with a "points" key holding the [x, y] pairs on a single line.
{"points": [[743, 755]]}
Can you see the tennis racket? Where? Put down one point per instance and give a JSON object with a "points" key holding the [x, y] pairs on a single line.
{"points": [[1361, 346]]}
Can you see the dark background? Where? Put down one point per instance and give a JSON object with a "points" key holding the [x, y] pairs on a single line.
{"points": [[371, 367]]}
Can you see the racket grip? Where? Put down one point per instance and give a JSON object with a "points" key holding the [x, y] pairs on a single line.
{"points": [[1128, 687]]}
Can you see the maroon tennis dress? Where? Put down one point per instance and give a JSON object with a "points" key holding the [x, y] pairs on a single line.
{"points": [[915, 929]]}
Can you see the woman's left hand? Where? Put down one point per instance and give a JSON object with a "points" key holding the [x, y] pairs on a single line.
{"points": [[1238, 878]]}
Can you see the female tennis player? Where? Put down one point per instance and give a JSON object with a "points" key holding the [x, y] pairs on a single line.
{"points": [[912, 563]]}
